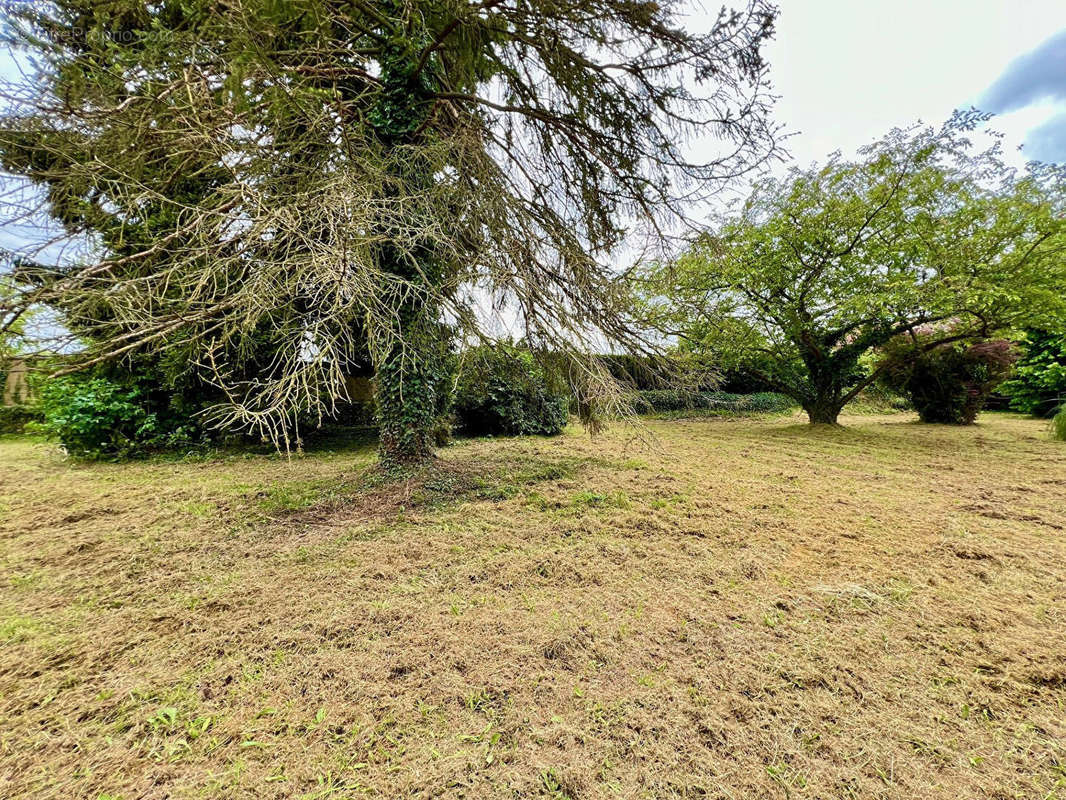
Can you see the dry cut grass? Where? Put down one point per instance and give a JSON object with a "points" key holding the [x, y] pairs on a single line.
{"points": [[751, 609]]}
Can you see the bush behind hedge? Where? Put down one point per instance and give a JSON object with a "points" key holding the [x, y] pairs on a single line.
{"points": [[503, 390]]}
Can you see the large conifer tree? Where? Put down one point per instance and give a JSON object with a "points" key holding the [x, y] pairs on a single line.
{"points": [[352, 176]]}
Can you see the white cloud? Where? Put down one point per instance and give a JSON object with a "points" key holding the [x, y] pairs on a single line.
{"points": [[848, 71]]}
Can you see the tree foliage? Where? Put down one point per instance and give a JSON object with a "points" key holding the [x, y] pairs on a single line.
{"points": [[819, 267], [1038, 386], [343, 178]]}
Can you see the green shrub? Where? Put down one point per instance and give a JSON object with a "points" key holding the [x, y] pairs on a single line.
{"points": [[661, 400], [97, 418], [502, 389], [948, 383], [14, 419], [1058, 425], [672, 399], [1038, 386]]}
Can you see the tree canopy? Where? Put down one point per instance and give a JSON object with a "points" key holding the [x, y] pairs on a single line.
{"points": [[1038, 385], [351, 178], [924, 231]]}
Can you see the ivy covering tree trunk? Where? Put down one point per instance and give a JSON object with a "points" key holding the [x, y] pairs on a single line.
{"points": [[407, 378], [827, 391], [823, 411], [407, 369]]}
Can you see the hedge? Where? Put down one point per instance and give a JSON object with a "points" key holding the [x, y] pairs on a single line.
{"points": [[720, 402]]}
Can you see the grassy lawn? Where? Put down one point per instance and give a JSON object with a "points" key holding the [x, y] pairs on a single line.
{"points": [[739, 609]]}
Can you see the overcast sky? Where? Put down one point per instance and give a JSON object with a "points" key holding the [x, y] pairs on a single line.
{"points": [[847, 71]]}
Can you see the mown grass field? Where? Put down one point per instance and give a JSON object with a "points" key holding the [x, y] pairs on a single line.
{"points": [[745, 608]]}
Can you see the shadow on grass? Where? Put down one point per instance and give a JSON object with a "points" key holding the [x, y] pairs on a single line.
{"points": [[340, 439], [445, 480]]}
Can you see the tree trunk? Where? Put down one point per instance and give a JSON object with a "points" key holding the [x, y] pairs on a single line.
{"points": [[408, 377], [822, 412], [406, 404], [823, 401]]}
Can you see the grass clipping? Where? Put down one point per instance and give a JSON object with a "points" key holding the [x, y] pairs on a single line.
{"points": [[752, 609]]}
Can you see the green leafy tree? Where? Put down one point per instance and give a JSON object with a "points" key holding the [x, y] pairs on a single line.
{"points": [[1038, 386], [357, 177], [923, 232]]}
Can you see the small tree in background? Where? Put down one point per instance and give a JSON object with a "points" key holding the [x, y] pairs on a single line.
{"points": [[12, 323], [946, 383], [1038, 386], [821, 267]]}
